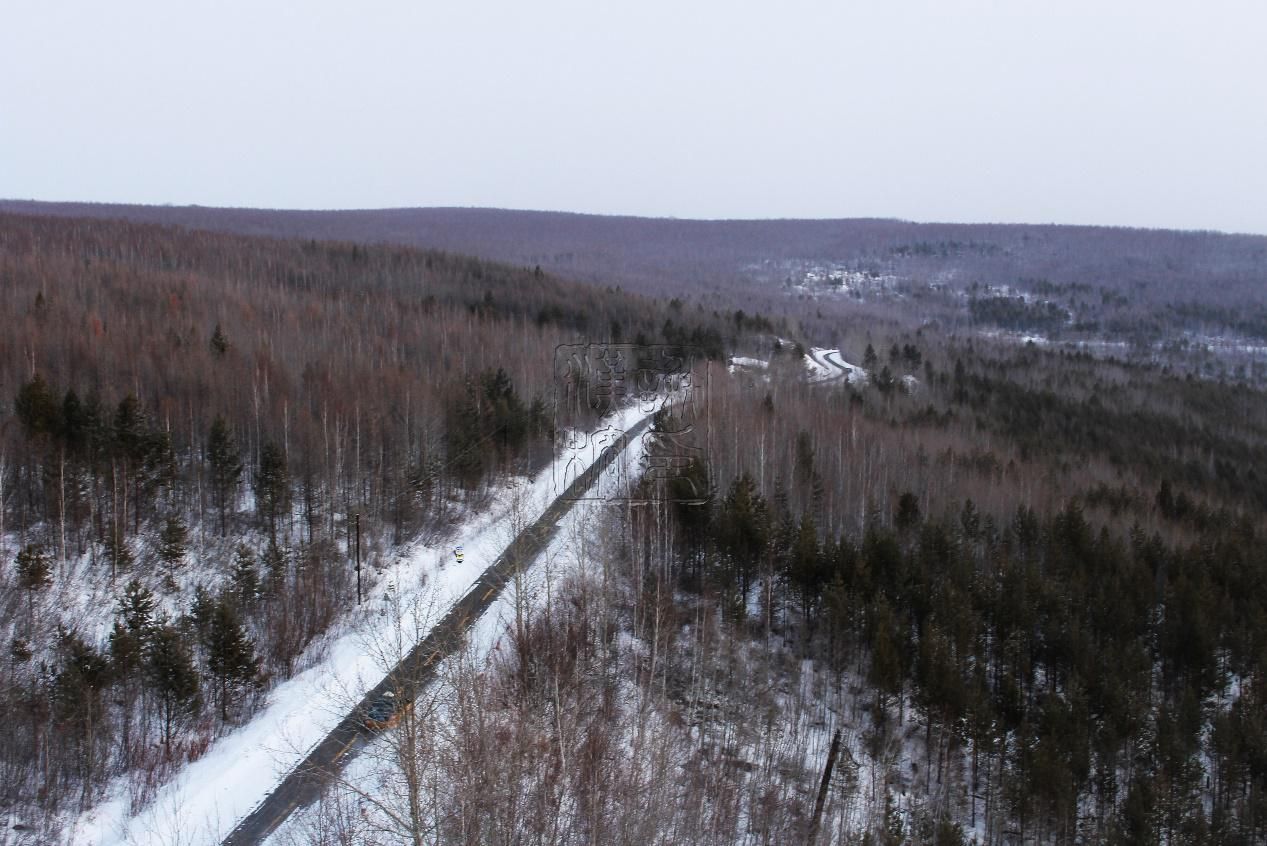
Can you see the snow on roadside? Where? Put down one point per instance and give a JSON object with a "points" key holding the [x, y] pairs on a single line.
{"points": [[208, 797], [563, 556], [824, 365], [739, 361], [819, 370], [854, 374]]}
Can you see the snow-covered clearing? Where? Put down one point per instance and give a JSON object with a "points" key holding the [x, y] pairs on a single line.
{"points": [[204, 802]]}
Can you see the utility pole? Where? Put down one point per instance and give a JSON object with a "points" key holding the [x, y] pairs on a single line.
{"points": [[358, 558]]}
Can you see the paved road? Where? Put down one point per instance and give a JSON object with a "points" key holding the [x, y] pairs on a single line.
{"points": [[837, 368], [304, 784]]}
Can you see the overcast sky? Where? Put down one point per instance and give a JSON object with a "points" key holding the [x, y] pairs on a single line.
{"points": [[1133, 112]]}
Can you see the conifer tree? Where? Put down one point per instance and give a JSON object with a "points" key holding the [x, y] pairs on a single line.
{"points": [[885, 674], [35, 573], [743, 531], [907, 515], [171, 675], [244, 581], [200, 612], [272, 488], [226, 467], [126, 651], [173, 543], [219, 343], [36, 407], [83, 674], [805, 570], [275, 566], [137, 610], [230, 653]]}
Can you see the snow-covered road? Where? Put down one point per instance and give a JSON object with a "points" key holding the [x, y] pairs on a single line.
{"points": [[202, 804]]}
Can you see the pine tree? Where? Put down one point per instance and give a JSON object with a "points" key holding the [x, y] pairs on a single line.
{"points": [[230, 653], [804, 466], [743, 531], [907, 516], [885, 673], [805, 570], [226, 467], [275, 566], [83, 675], [74, 423], [137, 610], [129, 429], [173, 543], [37, 408], [126, 651], [884, 381], [201, 610], [219, 343], [158, 464], [272, 488], [170, 673], [35, 572], [244, 582]]}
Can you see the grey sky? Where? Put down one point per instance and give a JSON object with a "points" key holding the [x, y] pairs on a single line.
{"points": [[1140, 113]]}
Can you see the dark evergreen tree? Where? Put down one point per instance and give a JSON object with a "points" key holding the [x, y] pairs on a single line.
{"points": [[743, 532], [74, 424], [244, 581], [129, 430], [804, 460], [230, 654], [272, 488], [173, 543], [219, 343], [37, 408], [806, 571], [138, 610], [201, 610], [170, 674], [886, 672], [82, 676], [127, 651], [226, 468], [275, 567], [884, 380], [35, 573], [907, 515]]}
